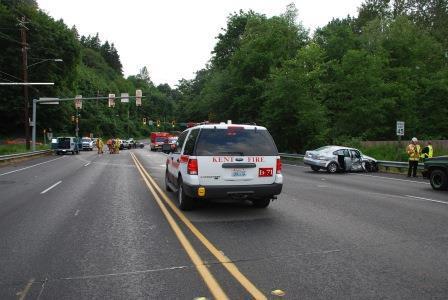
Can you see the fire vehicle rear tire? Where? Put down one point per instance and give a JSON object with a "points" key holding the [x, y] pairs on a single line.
{"points": [[183, 200], [167, 187], [439, 180], [261, 203]]}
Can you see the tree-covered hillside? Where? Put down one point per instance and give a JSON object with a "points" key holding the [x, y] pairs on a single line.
{"points": [[90, 68]]}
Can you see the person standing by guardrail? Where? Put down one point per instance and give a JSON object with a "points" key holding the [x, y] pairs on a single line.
{"points": [[413, 151], [428, 151]]}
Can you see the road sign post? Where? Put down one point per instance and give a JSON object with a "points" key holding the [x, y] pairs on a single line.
{"points": [[400, 130], [124, 97]]}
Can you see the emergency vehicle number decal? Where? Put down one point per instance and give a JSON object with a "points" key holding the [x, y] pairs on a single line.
{"points": [[265, 172]]}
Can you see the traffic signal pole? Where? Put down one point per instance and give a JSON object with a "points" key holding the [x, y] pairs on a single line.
{"points": [[56, 101]]}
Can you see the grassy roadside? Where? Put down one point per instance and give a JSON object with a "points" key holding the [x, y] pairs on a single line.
{"points": [[13, 149], [392, 153]]}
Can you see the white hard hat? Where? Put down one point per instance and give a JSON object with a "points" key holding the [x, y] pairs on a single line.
{"points": [[414, 139]]}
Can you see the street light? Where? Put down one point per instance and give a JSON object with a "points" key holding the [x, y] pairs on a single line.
{"points": [[25, 92], [44, 60]]}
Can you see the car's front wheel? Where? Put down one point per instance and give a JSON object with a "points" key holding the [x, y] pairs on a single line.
{"points": [[332, 167], [439, 180], [184, 201]]}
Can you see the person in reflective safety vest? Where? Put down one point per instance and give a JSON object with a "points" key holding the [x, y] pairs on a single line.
{"points": [[428, 151], [414, 152]]}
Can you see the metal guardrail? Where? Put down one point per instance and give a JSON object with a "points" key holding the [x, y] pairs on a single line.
{"points": [[382, 163], [21, 155], [289, 155], [397, 164]]}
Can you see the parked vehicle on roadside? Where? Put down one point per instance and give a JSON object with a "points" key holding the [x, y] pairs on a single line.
{"points": [[87, 143], [124, 144], [436, 170], [222, 161], [66, 145], [54, 143], [132, 143], [339, 158]]}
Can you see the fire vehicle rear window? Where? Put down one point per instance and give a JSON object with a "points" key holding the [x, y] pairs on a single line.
{"points": [[235, 141], [160, 139]]}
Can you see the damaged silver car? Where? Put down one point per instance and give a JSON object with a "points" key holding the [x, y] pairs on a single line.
{"points": [[339, 158]]}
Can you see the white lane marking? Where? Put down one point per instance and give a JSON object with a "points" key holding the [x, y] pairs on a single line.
{"points": [[76, 212], [31, 166], [391, 178], [43, 192], [124, 273], [86, 164], [426, 199]]}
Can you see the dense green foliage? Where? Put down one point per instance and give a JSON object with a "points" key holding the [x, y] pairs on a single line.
{"points": [[354, 77]]}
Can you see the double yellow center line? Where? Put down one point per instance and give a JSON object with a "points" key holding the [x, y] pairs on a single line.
{"points": [[206, 275]]}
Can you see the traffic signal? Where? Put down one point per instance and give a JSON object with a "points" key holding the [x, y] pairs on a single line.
{"points": [[78, 101], [158, 123], [73, 118], [144, 121], [111, 100], [138, 97], [173, 123]]}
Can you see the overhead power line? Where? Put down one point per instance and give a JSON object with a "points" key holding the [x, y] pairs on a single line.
{"points": [[15, 77], [7, 37]]}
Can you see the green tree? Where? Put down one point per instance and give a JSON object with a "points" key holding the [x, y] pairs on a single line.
{"points": [[293, 110]]}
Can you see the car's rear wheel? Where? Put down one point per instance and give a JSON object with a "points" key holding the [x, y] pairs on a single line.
{"points": [[261, 203], [167, 187], [439, 180], [332, 167], [315, 169], [184, 201]]}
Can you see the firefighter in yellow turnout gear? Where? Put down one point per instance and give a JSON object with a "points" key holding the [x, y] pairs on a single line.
{"points": [[414, 152], [117, 146], [100, 145]]}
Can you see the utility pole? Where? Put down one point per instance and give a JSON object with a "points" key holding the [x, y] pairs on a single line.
{"points": [[77, 122], [23, 30]]}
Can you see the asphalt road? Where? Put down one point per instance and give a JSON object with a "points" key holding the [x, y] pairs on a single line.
{"points": [[89, 227]]}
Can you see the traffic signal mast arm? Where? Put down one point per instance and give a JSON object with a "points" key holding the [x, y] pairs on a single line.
{"points": [[89, 98]]}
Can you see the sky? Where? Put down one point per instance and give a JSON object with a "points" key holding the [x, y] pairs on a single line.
{"points": [[174, 38]]}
